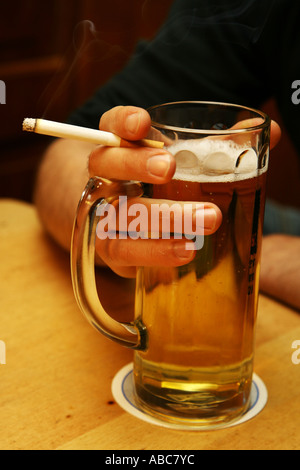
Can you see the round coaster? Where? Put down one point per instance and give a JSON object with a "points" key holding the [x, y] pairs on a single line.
{"points": [[124, 394]]}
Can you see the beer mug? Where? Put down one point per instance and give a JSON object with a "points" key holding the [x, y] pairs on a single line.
{"points": [[193, 328]]}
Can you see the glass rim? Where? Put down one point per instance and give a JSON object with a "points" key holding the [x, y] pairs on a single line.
{"points": [[260, 114]]}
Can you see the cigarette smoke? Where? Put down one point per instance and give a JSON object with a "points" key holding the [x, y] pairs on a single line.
{"points": [[87, 46], [220, 17]]}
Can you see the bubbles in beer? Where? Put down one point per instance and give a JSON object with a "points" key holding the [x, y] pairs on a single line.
{"points": [[247, 161], [187, 160], [213, 160], [218, 163]]}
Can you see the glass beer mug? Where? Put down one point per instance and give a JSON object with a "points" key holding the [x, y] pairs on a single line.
{"points": [[193, 328]]}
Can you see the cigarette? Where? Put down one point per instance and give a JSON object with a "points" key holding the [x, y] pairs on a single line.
{"points": [[68, 131]]}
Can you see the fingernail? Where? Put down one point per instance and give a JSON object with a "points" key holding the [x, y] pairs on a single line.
{"points": [[159, 165], [210, 219], [181, 251], [133, 122], [204, 218]]}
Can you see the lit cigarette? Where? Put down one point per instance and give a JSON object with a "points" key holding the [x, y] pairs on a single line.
{"points": [[68, 131]]}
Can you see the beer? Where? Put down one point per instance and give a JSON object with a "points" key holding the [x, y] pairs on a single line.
{"points": [[193, 328], [200, 318]]}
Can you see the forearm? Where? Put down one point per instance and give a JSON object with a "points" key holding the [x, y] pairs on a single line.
{"points": [[280, 268], [61, 179]]}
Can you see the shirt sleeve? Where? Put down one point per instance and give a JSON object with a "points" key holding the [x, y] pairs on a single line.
{"points": [[221, 50]]}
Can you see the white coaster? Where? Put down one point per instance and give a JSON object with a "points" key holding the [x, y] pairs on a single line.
{"points": [[124, 394]]}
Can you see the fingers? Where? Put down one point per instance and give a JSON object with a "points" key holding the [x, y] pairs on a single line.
{"points": [[129, 122], [143, 164], [275, 134], [162, 239], [158, 217], [150, 166], [140, 163], [123, 256]]}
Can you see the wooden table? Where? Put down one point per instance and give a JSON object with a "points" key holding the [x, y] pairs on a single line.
{"points": [[56, 384]]}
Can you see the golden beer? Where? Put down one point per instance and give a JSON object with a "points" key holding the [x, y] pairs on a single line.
{"points": [[200, 318]]}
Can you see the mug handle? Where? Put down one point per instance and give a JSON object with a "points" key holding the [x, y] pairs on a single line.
{"points": [[99, 192]]}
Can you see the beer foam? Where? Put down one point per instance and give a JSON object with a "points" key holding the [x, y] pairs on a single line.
{"points": [[213, 160]]}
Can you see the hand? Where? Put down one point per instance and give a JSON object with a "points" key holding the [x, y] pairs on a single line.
{"points": [[280, 268], [275, 134], [150, 166]]}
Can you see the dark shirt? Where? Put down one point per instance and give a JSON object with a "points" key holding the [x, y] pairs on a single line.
{"points": [[242, 52]]}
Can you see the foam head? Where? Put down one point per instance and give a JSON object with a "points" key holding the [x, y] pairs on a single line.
{"points": [[213, 160]]}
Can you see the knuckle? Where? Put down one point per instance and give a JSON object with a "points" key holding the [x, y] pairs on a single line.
{"points": [[117, 252], [110, 251], [109, 115]]}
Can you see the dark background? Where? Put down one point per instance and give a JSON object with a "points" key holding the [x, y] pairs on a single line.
{"points": [[53, 54]]}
